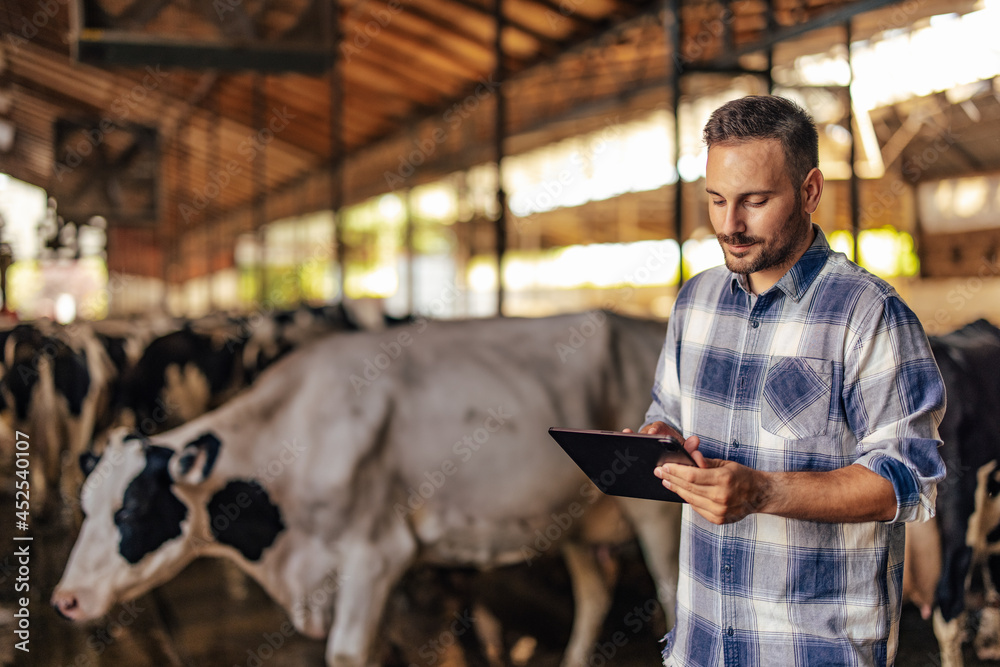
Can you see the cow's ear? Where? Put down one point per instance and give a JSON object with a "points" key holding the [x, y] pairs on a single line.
{"points": [[88, 461], [194, 463]]}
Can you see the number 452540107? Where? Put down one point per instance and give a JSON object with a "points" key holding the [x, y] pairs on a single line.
{"points": [[23, 463]]}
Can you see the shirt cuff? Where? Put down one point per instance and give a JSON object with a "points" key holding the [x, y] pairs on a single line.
{"points": [[911, 504]]}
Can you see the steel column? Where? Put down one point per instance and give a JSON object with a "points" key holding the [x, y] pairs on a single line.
{"points": [[855, 184], [336, 166], [260, 186], [674, 33], [500, 226]]}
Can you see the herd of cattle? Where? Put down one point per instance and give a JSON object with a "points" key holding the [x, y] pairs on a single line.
{"points": [[325, 453]]}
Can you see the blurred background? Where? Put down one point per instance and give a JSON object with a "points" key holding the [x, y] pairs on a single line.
{"points": [[167, 161], [184, 158]]}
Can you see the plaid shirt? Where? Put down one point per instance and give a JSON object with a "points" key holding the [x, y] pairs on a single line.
{"points": [[827, 368]]}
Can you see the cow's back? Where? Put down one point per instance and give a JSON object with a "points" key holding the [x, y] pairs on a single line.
{"points": [[452, 417]]}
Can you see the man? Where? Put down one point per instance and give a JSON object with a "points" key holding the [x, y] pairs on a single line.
{"points": [[809, 400]]}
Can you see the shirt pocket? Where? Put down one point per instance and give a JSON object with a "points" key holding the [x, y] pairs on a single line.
{"points": [[796, 402]]}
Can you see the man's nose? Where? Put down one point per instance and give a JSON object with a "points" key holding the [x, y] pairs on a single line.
{"points": [[733, 222]]}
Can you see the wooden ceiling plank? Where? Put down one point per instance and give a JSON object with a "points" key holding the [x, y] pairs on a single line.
{"points": [[416, 50], [549, 44]]}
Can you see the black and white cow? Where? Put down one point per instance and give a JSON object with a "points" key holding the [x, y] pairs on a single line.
{"points": [[365, 453], [201, 365], [56, 386], [945, 554]]}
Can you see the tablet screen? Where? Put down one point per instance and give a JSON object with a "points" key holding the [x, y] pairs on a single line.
{"points": [[621, 464]]}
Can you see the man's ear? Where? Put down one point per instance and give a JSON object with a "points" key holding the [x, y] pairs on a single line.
{"points": [[812, 190], [194, 463]]}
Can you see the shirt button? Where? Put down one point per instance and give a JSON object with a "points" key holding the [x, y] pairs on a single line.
{"points": [[727, 569], [735, 445], [729, 631], [754, 323]]}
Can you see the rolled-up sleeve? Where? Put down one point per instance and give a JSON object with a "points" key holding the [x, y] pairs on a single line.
{"points": [[895, 399]]}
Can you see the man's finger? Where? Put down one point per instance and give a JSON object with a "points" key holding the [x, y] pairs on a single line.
{"points": [[706, 507]]}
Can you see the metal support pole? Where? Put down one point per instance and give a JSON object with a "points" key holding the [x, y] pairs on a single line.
{"points": [[499, 135], [165, 234], [336, 94], [212, 243], [260, 186], [855, 183], [674, 33], [411, 290], [772, 25]]}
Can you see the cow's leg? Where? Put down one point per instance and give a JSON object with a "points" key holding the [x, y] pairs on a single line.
{"points": [[987, 642], [371, 569], [658, 527], [949, 615], [44, 434], [949, 636], [488, 640], [591, 597]]}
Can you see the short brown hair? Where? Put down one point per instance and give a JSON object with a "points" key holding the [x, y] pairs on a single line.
{"points": [[768, 117]]}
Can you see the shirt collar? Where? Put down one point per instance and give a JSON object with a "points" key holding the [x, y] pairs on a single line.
{"points": [[796, 280]]}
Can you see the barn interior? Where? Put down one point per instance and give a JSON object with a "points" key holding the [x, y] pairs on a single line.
{"points": [[175, 160]]}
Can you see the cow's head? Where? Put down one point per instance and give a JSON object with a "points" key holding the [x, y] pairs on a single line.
{"points": [[141, 526]]}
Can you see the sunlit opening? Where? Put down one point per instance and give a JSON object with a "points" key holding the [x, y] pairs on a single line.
{"points": [[886, 252], [434, 202], [65, 308], [482, 274]]}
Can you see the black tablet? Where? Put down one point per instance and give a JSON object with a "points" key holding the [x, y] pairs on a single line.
{"points": [[621, 464]]}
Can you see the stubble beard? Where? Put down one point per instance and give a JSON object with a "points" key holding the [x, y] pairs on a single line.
{"points": [[779, 252]]}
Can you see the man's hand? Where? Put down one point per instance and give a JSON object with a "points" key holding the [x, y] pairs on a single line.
{"points": [[721, 491], [690, 444], [725, 491]]}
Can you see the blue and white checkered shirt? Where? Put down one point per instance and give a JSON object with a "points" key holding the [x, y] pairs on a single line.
{"points": [[827, 368]]}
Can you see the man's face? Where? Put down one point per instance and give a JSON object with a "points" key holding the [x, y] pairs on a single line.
{"points": [[756, 210]]}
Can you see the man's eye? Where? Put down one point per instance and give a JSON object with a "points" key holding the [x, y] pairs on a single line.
{"points": [[719, 202], [757, 203]]}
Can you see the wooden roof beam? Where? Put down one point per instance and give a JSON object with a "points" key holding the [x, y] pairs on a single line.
{"points": [[549, 47], [772, 37]]}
